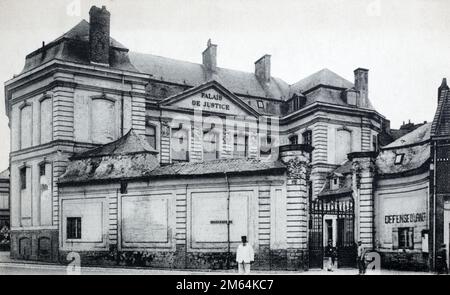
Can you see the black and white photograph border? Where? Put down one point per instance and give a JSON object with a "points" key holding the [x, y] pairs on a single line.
{"points": [[174, 137]]}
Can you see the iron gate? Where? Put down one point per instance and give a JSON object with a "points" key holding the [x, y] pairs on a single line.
{"points": [[343, 213]]}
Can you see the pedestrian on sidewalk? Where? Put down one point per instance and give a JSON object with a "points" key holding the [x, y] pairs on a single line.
{"points": [[244, 256], [441, 260], [361, 260], [331, 254]]}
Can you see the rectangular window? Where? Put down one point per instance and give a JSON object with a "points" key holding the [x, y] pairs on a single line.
{"points": [[240, 149], [260, 104], [179, 145], [73, 228], [375, 142], [211, 144], [293, 139], [42, 169], [23, 178], [398, 159], [406, 238], [150, 135], [307, 137]]}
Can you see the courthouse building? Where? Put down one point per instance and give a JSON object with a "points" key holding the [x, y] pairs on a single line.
{"points": [[131, 158]]}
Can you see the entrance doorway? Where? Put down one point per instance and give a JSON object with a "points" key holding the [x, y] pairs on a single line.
{"points": [[332, 221]]}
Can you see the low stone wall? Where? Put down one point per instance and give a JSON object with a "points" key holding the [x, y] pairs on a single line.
{"points": [[38, 245], [404, 261], [180, 259]]}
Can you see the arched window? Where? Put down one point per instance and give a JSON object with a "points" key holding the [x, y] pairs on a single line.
{"points": [[103, 120], [150, 135], [26, 126], [343, 144], [46, 118]]}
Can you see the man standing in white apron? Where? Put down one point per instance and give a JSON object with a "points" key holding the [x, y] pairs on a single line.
{"points": [[244, 256]]}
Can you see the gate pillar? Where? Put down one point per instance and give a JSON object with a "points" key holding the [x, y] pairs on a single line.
{"points": [[297, 158], [363, 195]]}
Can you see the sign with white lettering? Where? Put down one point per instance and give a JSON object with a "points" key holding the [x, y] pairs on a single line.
{"points": [[406, 218]]}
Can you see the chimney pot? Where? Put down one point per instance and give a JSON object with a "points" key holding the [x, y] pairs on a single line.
{"points": [[99, 34], [262, 68]]}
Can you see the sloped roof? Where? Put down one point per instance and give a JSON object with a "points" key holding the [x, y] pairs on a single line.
{"points": [[418, 135], [4, 174], [441, 121], [81, 32], [322, 77], [130, 143], [193, 74], [236, 165], [414, 158], [108, 168], [73, 46]]}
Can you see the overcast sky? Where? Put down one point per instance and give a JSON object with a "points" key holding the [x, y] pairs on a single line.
{"points": [[404, 43]]}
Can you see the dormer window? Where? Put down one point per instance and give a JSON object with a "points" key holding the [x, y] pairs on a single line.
{"points": [[298, 102], [399, 159], [334, 183], [260, 104]]}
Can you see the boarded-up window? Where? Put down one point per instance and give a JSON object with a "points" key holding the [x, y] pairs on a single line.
{"points": [[25, 196], [46, 120], [145, 219], [240, 149], [211, 225], [179, 145], [211, 145], [343, 145], [103, 121], [26, 125]]}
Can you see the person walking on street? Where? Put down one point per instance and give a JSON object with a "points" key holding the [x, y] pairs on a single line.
{"points": [[361, 259], [244, 256], [330, 253], [441, 260]]}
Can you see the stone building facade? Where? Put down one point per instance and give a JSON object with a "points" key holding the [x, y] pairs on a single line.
{"points": [[83, 179]]}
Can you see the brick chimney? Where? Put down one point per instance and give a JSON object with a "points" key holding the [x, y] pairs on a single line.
{"points": [[210, 57], [362, 85], [262, 68], [99, 32]]}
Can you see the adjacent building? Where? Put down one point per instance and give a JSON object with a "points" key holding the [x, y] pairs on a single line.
{"points": [[4, 210], [131, 158]]}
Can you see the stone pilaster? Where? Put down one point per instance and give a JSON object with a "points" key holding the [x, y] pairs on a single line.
{"points": [[363, 193], [297, 159]]}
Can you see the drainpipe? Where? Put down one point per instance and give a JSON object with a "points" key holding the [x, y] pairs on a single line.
{"points": [[121, 106], [228, 221], [434, 206]]}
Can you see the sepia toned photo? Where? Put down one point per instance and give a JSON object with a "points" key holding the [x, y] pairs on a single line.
{"points": [[233, 137]]}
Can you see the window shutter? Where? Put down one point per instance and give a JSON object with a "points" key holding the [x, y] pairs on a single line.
{"points": [[394, 238], [411, 238]]}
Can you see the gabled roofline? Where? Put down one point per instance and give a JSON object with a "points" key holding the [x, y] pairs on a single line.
{"points": [[212, 83]]}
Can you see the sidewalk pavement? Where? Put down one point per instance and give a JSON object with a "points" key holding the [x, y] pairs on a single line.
{"points": [[11, 266]]}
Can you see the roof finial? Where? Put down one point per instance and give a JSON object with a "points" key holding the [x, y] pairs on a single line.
{"points": [[208, 44]]}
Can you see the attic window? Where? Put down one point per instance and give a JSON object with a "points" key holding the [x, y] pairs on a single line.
{"points": [[260, 104], [399, 159]]}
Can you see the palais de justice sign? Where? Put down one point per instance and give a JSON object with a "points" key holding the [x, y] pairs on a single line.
{"points": [[210, 101]]}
